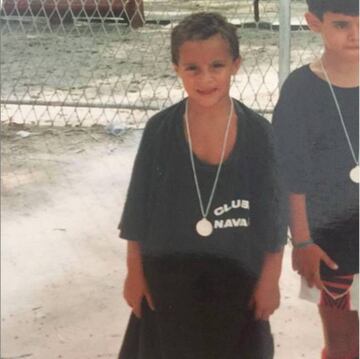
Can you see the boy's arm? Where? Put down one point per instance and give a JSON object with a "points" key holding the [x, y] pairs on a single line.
{"points": [[135, 287], [135, 219], [306, 260], [266, 297]]}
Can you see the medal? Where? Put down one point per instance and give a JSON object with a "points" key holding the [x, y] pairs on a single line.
{"points": [[354, 174], [204, 227]]}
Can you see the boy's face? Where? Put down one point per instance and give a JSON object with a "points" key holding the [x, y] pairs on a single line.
{"points": [[340, 34], [205, 68]]}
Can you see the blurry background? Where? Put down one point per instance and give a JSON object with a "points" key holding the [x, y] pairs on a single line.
{"points": [[81, 62]]}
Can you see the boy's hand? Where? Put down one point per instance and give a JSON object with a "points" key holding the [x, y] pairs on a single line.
{"points": [[135, 288], [306, 261], [265, 300]]}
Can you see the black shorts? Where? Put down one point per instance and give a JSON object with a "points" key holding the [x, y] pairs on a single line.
{"points": [[201, 312], [178, 339]]}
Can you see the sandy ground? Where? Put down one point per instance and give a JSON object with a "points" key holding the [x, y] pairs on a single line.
{"points": [[62, 262]]}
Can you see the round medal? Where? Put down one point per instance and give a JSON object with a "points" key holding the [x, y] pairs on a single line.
{"points": [[354, 174], [204, 227]]}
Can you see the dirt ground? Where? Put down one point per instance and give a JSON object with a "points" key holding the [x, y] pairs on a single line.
{"points": [[62, 262]]}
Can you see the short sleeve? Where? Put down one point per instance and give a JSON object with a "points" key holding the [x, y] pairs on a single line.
{"points": [[290, 131], [134, 219]]}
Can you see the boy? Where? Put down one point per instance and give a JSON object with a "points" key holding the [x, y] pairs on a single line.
{"points": [[316, 122], [202, 214]]}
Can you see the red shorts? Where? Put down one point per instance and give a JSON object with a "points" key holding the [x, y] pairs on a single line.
{"points": [[339, 292]]}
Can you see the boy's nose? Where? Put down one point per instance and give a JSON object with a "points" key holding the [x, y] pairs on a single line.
{"points": [[354, 33], [206, 77]]}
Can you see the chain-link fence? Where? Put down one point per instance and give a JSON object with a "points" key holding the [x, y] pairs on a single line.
{"points": [[85, 62]]}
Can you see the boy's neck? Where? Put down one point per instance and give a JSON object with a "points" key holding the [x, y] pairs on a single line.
{"points": [[341, 73], [217, 114]]}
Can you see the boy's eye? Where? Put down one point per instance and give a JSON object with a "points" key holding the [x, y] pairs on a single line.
{"points": [[190, 68], [340, 24], [218, 65]]}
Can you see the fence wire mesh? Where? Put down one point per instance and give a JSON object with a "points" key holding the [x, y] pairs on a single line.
{"points": [[86, 62]]}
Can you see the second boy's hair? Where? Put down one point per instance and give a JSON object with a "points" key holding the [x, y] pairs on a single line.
{"points": [[346, 7], [201, 26]]}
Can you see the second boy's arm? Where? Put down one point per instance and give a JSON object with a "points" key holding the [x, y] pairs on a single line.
{"points": [[306, 260]]}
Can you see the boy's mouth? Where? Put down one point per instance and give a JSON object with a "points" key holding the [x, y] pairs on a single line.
{"points": [[206, 92]]}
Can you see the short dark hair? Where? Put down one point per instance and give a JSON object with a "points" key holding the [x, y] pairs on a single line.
{"points": [[201, 26], [346, 7]]}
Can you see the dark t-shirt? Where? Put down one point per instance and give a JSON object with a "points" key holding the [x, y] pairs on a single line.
{"points": [[230, 208], [316, 160], [162, 208]]}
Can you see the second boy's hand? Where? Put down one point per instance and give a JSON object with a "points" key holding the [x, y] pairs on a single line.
{"points": [[306, 261]]}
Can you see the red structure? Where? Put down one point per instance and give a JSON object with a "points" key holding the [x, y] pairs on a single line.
{"points": [[66, 10]]}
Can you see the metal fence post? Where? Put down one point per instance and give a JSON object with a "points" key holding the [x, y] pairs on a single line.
{"points": [[284, 40]]}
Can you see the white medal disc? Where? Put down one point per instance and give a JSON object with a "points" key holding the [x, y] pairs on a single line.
{"points": [[204, 227], [354, 174]]}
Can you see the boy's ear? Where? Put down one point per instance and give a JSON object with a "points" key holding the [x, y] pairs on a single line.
{"points": [[236, 65], [313, 21]]}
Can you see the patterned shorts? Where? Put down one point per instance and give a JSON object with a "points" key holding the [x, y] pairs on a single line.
{"points": [[339, 292]]}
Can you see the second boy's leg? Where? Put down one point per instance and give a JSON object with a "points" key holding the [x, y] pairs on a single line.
{"points": [[341, 333]]}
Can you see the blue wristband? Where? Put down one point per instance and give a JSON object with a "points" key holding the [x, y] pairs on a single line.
{"points": [[302, 244]]}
